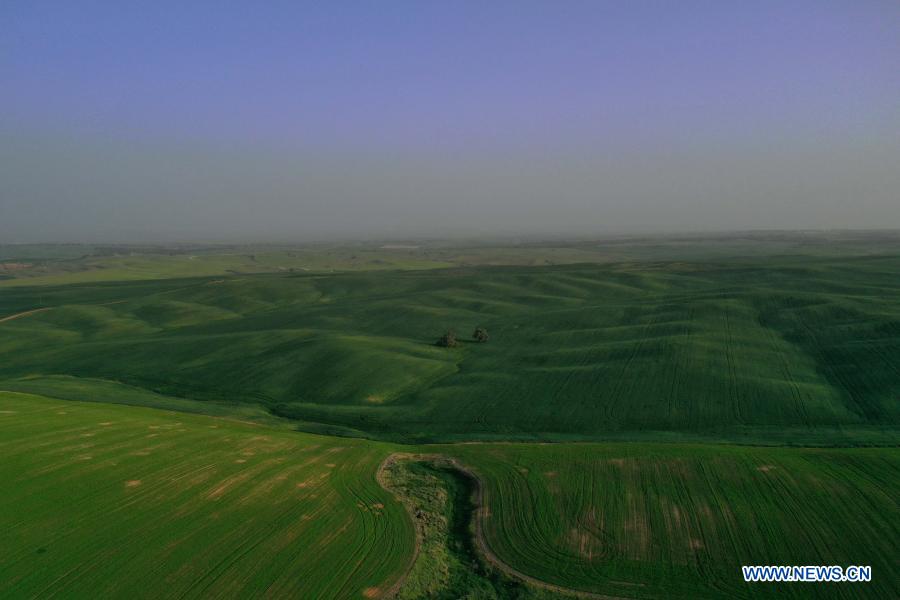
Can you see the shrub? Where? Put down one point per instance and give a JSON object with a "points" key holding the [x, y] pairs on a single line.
{"points": [[448, 340]]}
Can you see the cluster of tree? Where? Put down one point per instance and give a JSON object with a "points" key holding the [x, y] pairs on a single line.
{"points": [[449, 339]]}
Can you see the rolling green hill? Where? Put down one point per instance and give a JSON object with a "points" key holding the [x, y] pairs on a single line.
{"points": [[775, 350], [150, 448]]}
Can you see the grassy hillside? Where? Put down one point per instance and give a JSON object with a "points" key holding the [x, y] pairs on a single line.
{"points": [[678, 521], [127, 502], [794, 349]]}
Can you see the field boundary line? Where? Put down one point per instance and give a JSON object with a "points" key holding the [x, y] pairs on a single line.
{"points": [[23, 314]]}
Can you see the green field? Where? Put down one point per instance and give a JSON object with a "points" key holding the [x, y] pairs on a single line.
{"points": [[114, 501], [678, 521], [122, 501], [711, 403]]}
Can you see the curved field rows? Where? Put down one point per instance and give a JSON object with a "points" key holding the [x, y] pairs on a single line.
{"points": [[113, 501], [678, 521]]}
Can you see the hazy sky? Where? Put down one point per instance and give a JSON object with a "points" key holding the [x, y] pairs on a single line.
{"points": [[138, 121]]}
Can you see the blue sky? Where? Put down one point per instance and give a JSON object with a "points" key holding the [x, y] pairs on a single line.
{"points": [[298, 120]]}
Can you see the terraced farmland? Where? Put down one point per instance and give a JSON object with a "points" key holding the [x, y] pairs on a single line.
{"points": [[120, 501], [678, 521]]}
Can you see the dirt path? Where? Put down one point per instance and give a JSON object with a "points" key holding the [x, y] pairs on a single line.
{"points": [[480, 542], [23, 314]]}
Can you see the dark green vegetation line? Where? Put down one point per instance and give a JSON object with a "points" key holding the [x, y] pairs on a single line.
{"points": [[780, 350], [439, 499]]}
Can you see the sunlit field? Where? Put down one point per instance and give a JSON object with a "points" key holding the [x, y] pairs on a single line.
{"points": [[117, 501]]}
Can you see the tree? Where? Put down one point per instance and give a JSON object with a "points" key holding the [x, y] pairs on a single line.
{"points": [[448, 340], [480, 335]]}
